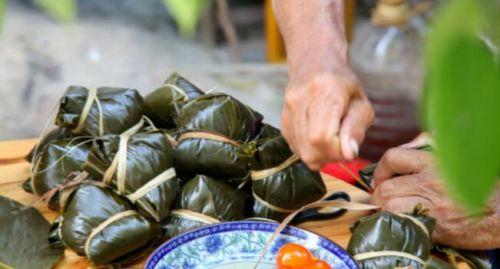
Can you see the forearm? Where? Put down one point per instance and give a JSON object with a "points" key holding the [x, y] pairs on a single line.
{"points": [[313, 31]]}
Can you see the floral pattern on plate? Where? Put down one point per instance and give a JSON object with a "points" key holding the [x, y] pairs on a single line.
{"points": [[239, 245]]}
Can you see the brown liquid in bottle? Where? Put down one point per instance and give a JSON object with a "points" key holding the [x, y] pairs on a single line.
{"points": [[386, 56], [396, 123]]}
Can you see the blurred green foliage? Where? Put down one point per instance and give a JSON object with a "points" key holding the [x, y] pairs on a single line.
{"points": [[3, 5], [61, 10], [186, 14], [463, 101]]}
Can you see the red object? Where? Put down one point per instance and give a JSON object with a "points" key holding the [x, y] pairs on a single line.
{"points": [[338, 170]]}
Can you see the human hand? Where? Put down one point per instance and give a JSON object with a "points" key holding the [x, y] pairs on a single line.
{"points": [[326, 112], [406, 177], [325, 116]]}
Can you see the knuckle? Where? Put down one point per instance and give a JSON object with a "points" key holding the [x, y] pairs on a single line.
{"points": [[337, 103], [392, 206], [308, 158], [370, 113], [292, 100], [318, 80], [385, 190], [391, 155], [314, 166], [317, 139]]}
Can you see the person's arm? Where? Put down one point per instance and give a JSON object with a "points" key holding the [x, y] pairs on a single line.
{"points": [[326, 112], [406, 177]]}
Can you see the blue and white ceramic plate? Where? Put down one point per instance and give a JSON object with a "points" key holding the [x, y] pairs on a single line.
{"points": [[238, 245]]}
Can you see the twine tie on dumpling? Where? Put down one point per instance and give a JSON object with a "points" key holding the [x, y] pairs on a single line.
{"points": [[91, 98]]}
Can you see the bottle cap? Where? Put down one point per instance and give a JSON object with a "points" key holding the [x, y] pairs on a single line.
{"points": [[391, 13]]}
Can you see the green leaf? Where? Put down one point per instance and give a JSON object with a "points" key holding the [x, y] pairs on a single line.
{"points": [[464, 96], [23, 238], [186, 14], [3, 6], [61, 10], [491, 9]]}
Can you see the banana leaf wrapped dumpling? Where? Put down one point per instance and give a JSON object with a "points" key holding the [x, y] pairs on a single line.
{"points": [[386, 240], [55, 134], [102, 225], [54, 164], [222, 114], [139, 166], [267, 131], [99, 111], [165, 102], [282, 183], [192, 91], [204, 201], [212, 154]]}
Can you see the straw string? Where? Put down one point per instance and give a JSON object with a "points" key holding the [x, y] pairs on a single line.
{"points": [[271, 206], [385, 253], [417, 222], [155, 182], [119, 163], [191, 215], [261, 174], [209, 136], [174, 87], [91, 98], [105, 224]]}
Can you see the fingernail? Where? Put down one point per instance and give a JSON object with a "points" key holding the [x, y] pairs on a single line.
{"points": [[406, 145], [354, 147]]}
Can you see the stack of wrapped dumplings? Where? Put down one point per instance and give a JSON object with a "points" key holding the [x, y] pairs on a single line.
{"points": [[127, 173]]}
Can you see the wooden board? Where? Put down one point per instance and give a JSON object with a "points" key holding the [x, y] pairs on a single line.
{"points": [[14, 170]]}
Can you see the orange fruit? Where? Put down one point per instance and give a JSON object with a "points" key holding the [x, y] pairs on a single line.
{"points": [[318, 264], [293, 256]]}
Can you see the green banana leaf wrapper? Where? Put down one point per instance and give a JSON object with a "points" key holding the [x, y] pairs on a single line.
{"points": [[206, 196], [163, 105], [212, 154], [23, 238], [165, 102], [267, 131], [475, 259], [366, 175], [57, 160], [102, 225], [55, 134], [121, 109], [220, 113], [385, 231], [149, 154], [271, 152], [191, 90], [282, 182], [436, 263]]}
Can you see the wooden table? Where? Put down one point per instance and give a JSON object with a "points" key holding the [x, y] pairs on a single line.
{"points": [[14, 170]]}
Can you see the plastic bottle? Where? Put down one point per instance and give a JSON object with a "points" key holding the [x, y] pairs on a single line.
{"points": [[386, 56]]}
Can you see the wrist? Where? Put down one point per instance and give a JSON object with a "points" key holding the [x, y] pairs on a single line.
{"points": [[327, 54], [313, 31]]}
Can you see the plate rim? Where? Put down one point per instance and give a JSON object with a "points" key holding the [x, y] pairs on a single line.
{"points": [[326, 243]]}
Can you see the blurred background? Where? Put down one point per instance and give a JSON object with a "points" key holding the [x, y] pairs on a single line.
{"points": [[232, 46]]}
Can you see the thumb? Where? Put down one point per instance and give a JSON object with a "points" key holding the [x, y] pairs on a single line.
{"points": [[356, 122]]}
